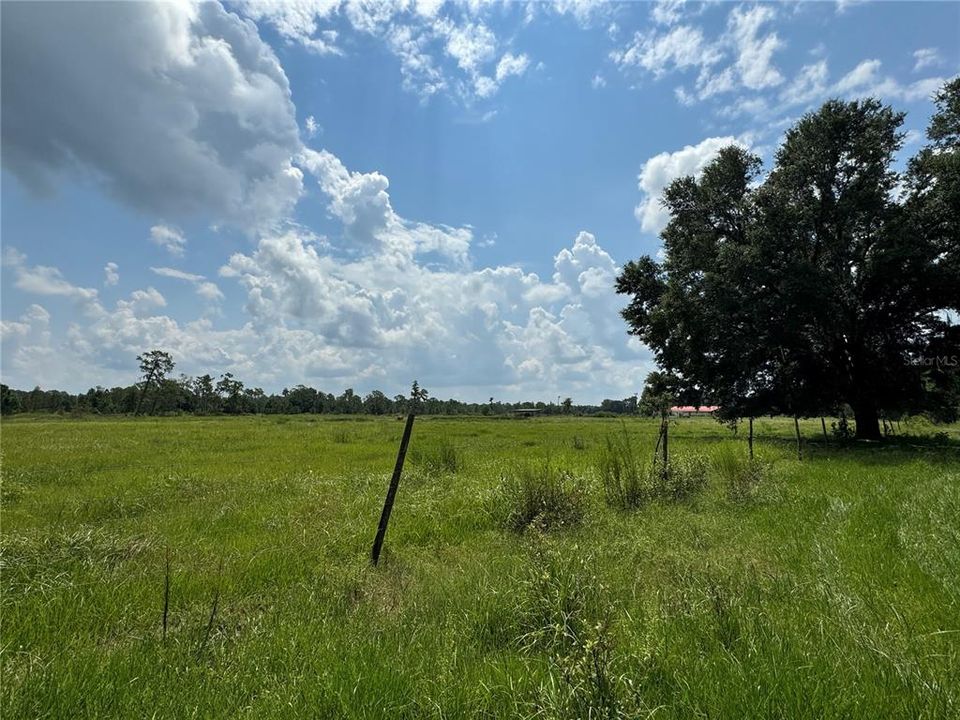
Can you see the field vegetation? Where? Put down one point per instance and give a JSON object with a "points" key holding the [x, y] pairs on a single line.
{"points": [[218, 567]]}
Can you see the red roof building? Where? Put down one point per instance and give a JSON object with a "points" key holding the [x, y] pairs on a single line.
{"points": [[687, 410]]}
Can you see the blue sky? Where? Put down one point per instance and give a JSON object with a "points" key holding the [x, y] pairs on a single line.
{"points": [[350, 194]]}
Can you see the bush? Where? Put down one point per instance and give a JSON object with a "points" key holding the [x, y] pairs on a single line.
{"points": [[443, 457], [579, 443], [539, 496], [740, 475], [841, 429]]}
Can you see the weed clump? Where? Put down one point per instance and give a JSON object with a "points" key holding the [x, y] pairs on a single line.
{"points": [[741, 476], [625, 482], [565, 615], [628, 483], [538, 496], [684, 477], [342, 436], [437, 459]]}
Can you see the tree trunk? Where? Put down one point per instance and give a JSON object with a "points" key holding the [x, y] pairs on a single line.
{"points": [[867, 421], [143, 392]]}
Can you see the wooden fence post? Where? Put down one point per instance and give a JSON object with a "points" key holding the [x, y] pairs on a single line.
{"points": [[823, 424], [665, 429], [391, 491], [796, 426]]}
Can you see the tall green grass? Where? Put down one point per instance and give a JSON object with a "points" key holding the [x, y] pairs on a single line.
{"points": [[829, 590]]}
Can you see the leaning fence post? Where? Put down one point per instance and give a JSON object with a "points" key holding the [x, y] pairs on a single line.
{"points": [[391, 491], [823, 424]]}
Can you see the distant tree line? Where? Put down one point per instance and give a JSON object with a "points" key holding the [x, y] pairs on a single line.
{"points": [[159, 394], [830, 284]]}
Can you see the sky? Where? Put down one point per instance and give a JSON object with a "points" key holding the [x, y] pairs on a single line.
{"points": [[359, 194]]}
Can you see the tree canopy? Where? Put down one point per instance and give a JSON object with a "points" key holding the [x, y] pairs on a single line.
{"points": [[829, 282]]}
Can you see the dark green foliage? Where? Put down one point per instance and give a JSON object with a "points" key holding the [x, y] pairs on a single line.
{"points": [[822, 285]]}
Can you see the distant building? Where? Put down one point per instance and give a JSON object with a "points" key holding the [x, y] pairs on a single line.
{"points": [[693, 411], [526, 412]]}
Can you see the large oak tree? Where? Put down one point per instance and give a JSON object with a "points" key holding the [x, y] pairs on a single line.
{"points": [[830, 282]]}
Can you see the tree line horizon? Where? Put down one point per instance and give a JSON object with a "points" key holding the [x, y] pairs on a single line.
{"points": [[828, 287], [157, 394]]}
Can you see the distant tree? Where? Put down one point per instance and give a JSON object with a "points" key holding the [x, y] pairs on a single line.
{"points": [[567, 404], [9, 402], [418, 395], [255, 399], [231, 391], [376, 403], [205, 393], [658, 394], [154, 367], [302, 399], [349, 402]]}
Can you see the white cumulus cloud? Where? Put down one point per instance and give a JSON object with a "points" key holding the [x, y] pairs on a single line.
{"points": [[662, 169], [180, 109]]}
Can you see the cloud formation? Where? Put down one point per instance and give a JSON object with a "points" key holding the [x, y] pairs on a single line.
{"points": [[662, 169], [371, 321], [441, 47], [179, 109]]}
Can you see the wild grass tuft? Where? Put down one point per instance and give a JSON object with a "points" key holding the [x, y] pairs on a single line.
{"points": [[566, 615], [629, 483], [438, 458], [683, 478], [626, 483], [741, 475], [540, 496]]}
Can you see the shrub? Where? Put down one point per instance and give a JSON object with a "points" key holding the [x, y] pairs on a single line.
{"points": [[841, 429], [740, 475], [579, 443], [539, 496], [442, 457]]}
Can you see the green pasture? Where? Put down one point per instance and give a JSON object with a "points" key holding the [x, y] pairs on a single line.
{"points": [[833, 591]]}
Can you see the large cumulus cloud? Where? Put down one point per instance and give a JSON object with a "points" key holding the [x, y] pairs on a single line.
{"points": [[178, 109]]}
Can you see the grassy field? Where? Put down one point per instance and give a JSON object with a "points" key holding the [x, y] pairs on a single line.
{"points": [[831, 590]]}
